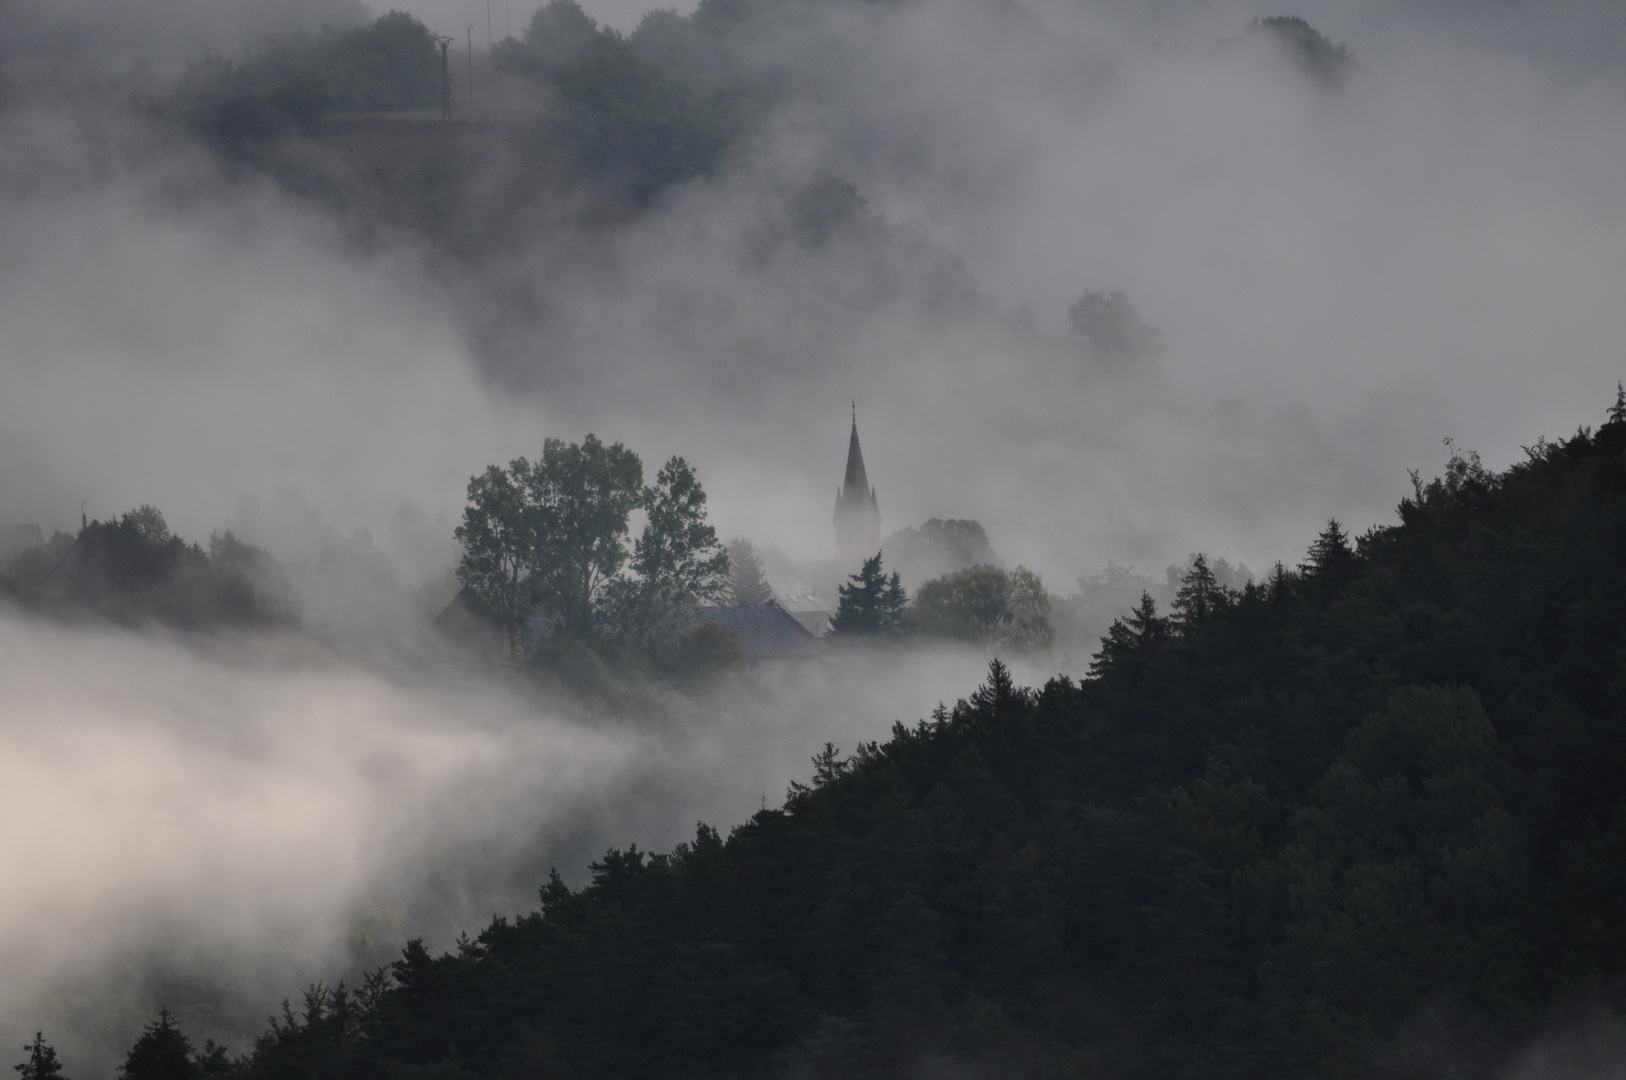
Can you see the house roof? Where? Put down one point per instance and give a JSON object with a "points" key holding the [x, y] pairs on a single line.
{"points": [[794, 594], [767, 630]]}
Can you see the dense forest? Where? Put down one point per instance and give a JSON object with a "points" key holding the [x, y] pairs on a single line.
{"points": [[1366, 817]]}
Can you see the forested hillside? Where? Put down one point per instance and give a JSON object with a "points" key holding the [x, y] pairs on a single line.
{"points": [[1365, 818]]}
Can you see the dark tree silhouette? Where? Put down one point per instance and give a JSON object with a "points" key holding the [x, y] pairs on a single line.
{"points": [[41, 1063], [162, 1053], [870, 604]]}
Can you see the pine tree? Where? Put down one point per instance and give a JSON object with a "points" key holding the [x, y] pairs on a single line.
{"points": [[1331, 562], [1200, 593], [1617, 411], [746, 584], [1136, 635], [162, 1053], [871, 604], [41, 1063]]}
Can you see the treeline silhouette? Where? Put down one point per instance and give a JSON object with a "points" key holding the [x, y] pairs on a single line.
{"points": [[1366, 817], [290, 82], [133, 570]]}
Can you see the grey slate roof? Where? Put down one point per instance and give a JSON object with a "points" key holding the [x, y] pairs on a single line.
{"points": [[768, 631]]}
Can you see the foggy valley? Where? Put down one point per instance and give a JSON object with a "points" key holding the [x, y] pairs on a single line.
{"points": [[420, 436]]}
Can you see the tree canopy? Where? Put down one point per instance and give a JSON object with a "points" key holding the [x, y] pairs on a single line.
{"points": [[1111, 331], [988, 606], [549, 539], [290, 82]]}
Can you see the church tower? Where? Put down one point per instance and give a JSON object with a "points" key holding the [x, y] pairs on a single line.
{"points": [[858, 511]]}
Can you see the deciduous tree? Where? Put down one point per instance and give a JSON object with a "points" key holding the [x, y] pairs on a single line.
{"points": [[676, 563], [498, 535], [582, 496], [988, 606]]}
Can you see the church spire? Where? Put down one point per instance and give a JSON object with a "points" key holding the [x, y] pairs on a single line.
{"points": [[858, 511], [856, 482]]}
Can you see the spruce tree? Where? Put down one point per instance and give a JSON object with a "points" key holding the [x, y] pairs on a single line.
{"points": [[747, 585], [1331, 562], [870, 604], [162, 1053], [41, 1063], [1200, 593]]}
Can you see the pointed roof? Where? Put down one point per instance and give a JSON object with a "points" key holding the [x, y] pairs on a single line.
{"points": [[857, 480]]}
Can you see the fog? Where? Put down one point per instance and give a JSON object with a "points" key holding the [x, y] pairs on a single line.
{"points": [[212, 825], [1342, 279]]}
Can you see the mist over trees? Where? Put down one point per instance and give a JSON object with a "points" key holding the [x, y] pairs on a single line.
{"points": [[746, 583], [290, 82], [987, 606], [1360, 816], [1344, 821], [1314, 53], [133, 570], [1111, 331]]}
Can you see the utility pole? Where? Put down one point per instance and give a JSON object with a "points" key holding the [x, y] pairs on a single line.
{"points": [[470, 29], [445, 77], [489, 41], [508, 17]]}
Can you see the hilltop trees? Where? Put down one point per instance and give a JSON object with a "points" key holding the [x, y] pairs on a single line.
{"points": [[391, 63], [1313, 52], [132, 569], [645, 118]]}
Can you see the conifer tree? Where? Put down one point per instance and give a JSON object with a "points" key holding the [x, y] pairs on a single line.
{"points": [[870, 604], [746, 583], [1200, 593], [162, 1053], [41, 1063], [1137, 634], [1331, 562]]}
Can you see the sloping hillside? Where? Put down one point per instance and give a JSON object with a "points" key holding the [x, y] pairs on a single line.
{"points": [[1363, 819]]}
